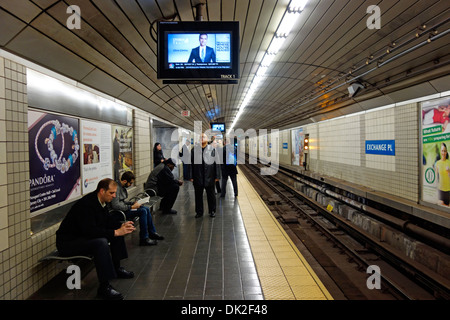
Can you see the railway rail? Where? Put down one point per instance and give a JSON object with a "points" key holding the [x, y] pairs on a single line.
{"points": [[346, 252]]}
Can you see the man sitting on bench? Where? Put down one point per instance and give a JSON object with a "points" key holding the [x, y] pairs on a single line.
{"points": [[162, 181], [87, 229], [147, 230]]}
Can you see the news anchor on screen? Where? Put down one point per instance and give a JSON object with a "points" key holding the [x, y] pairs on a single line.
{"points": [[202, 53]]}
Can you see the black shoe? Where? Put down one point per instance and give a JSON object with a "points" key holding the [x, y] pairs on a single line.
{"points": [[199, 215], [171, 211], [109, 293], [124, 274], [148, 242], [212, 214], [222, 196], [156, 236]]}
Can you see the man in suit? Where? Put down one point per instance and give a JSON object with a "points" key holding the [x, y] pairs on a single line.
{"points": [[204, 174], [202, 53], [88, 228]]}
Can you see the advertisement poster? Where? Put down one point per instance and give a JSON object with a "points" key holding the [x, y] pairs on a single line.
{"points": [[54, 159], [96, 160], [122, 150], [285, 145], [263, 150], [297, 136], [435, 144]]}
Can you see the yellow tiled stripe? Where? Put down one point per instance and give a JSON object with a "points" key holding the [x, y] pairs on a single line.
{"points": [[283, 271]]}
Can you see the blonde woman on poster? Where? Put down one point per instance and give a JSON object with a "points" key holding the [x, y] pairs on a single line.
{"points": [[443, 176]]}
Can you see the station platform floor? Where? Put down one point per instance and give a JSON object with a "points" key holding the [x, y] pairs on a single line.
{"points": [[241, 254]]}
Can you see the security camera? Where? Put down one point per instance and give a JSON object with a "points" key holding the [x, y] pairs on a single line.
{"points": [[354, 88]]}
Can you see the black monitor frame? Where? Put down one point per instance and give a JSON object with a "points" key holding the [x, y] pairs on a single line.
{"points": [[218, 123], [197, 75]]}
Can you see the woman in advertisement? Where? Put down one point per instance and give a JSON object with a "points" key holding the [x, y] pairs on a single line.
{"points": [[439, 115], [443, 176]]}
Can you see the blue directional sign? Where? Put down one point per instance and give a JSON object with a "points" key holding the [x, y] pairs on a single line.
{"points": [[381, 147]]}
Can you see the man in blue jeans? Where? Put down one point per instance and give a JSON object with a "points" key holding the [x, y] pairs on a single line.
{"points": [[147, 231]]}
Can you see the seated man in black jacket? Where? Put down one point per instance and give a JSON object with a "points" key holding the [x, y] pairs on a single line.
{"points": [[87, 229], [161, 180]]}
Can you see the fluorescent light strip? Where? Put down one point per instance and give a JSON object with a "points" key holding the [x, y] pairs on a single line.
{"points": [[292, 13]]}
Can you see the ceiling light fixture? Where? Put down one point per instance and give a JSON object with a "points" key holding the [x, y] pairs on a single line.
{"points": [[290, 16]]}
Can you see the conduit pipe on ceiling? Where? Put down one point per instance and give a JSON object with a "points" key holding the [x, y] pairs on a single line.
{"points": [[417, 46], [400, 224], [199, 12]]}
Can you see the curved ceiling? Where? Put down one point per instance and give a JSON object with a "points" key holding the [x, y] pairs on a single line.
{"points": [[329, 47]]}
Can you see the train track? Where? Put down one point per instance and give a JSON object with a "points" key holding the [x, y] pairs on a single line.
{"points": [[348, 254]]}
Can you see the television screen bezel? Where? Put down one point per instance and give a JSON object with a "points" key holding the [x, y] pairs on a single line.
{"points": [[213, 74], [218, 123]]}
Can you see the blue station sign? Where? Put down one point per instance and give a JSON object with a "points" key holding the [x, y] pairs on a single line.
{"points": [[381, 147]]}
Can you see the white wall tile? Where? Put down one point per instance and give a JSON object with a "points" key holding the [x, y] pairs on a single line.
{"points": [[338, 150], [4, 242]]}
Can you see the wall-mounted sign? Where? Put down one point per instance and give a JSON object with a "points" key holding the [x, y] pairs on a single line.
{"points": [[434, 157], [297, 153], [96, 153], [380, 147], [122, 150], [55, 151]]}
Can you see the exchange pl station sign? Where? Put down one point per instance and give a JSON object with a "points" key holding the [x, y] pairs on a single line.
{"points": [[380, 147]]}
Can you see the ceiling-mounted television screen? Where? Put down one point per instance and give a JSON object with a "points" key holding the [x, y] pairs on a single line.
{"points": [[198, 52], [218, 127]]}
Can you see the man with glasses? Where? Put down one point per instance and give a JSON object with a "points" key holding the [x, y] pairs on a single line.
{"points": [[148, 235]]}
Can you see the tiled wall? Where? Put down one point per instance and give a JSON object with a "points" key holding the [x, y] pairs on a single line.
{"points": [[285, 154], [3, 171], [338, 150], [20, 273], [380, 125], [340, 140], [143, 151]]}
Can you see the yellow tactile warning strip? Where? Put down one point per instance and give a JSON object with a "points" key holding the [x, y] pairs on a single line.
{"points": [[283, 271]]}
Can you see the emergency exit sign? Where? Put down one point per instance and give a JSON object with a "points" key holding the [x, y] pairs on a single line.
{"points": [[185, 113]]}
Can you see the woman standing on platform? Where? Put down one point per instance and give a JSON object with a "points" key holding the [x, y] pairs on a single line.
{"points": [[185, 155], [158, 156], [443, 176]]}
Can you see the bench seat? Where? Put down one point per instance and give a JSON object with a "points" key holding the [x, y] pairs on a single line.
{"points": [[56, 256]]}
